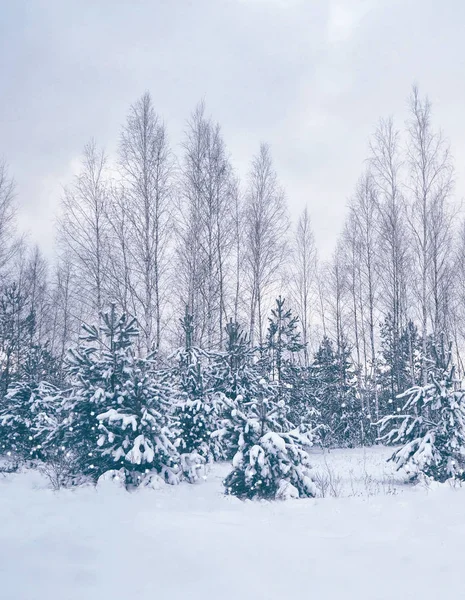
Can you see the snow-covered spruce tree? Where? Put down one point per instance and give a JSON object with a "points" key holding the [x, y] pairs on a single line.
{"points": [[237, 378], [30, 410], [334, 384], [16, 331], [279, 357], [197, 411], [431, 426], [117, 409], [29, 419], [399, 365], [271, 461], [280, 365], [98, 370], [135, 433]]}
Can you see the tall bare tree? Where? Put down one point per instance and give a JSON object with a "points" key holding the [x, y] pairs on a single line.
{"points": [[266, 230], [429, 187], [38, 295], [304, 277], [146, 165], [357, 309], [7, 218], [394, 234], [238, 247], [205, 227], [365, 215], [83, 230]]}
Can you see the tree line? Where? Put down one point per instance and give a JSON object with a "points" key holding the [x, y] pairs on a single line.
{"points": [[155, 233]]}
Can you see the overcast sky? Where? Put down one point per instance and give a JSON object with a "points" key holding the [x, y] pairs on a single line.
{"points": [[311, 77]]}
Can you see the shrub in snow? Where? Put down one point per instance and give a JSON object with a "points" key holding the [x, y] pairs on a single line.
{"points": [[112, 478], [271, 463], [431, 427], [58, 468], [152, 481]]}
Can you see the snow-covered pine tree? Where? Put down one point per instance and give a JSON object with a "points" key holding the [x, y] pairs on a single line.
{"points": [[335, 389], [197, 411], [237, 379], [399, 365], [30, 410], [98, 370], [29, 419], [118, 412], [16, 330], [280, 357], [135, 434], [431, 426], [271, 461]]}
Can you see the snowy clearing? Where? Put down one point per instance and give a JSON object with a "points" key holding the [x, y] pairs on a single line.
{"points": [[378, 539]]}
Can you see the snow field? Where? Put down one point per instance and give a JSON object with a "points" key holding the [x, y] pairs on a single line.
{"points": [[377, 539]]}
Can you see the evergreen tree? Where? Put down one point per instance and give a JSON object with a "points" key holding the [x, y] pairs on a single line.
{"points": [[271, 461], [198, 408], [29, 419], [280, 358], [98, 370], [136, 433], [399, 364], [431, 427], [335, 389], [31, 408], [16, 331], [118, 411], [237, 378]]}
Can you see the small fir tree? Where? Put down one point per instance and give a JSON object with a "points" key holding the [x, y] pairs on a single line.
{"points": [[399, 364], [98, 370], [198, 408], [280, 356], [237, 378], [431, 427], [271, 461], [118, 411], [136, 433], [31, 408], [334, 385], [29, 419]]}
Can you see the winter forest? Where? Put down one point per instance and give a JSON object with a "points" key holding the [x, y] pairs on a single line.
{"points": [[187, 320]]}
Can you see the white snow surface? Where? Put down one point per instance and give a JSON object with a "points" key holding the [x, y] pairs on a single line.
{"points": [[377, 539]]}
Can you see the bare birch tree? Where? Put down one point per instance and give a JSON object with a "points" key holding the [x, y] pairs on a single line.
{"points": [[430, 184], [65, 322], [205, 227], [394, 235], [365, 215], [83, 230], [266, 230], [146, 165], [304, 278], [36, 277], [7, 218]]}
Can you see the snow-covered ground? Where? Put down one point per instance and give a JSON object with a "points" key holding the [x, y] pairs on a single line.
{"points": [[371, 538]]}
